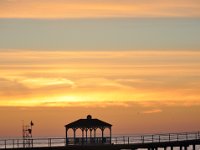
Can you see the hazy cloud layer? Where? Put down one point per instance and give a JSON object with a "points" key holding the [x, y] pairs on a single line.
{"points": [[100, 34]]}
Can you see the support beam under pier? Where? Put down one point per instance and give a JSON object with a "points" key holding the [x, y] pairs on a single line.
{"points": [[194, 147], [186, 147]]}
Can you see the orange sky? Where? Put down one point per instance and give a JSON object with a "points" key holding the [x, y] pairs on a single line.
{"points": [[62, 78], [146, 87], [138, 91], [98, 8]]}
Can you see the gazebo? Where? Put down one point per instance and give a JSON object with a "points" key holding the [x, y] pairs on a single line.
{"points": [[91, 125]]}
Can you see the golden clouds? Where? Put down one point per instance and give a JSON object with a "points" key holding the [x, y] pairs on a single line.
{"points": [[97, 8], [91, 78], [152, 111]]}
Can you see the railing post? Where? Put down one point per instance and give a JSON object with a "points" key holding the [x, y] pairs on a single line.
{"points": [[13, 143], [152, 138], [116, 140], [5, 144], [159, 138], [32, 142], [169, 137], [17, 143], [124, 139], [49, 142], [128, 140], [142, 139], [186, 136]]}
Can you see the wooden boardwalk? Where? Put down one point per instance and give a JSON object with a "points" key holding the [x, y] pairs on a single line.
{"points": [[150, 142]]}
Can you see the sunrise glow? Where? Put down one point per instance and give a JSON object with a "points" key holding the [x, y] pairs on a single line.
{"points": [[133, 63], [93, 77]]}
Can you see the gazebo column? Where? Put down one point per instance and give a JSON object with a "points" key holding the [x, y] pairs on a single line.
{"points": [[86, 130], [102, 130], [95, 135], [82, 135], [110, 135], [67, 136], [90, 135], [74, 129]]}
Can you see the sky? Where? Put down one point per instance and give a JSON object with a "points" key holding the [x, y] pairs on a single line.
{"points": [[134, 64], [98, 8]]}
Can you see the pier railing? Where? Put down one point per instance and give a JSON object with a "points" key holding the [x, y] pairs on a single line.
{"points": [[156, 138], [137, 139], [32, 142]]}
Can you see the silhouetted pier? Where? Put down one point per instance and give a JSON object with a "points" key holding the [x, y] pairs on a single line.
{"points": [[150, 142], [89, 140]]}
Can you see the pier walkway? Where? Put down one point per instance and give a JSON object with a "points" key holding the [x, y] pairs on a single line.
{"points": [[150, 142]]}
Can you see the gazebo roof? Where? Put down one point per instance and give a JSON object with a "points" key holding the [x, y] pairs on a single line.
{"points": [[88, 123]]}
